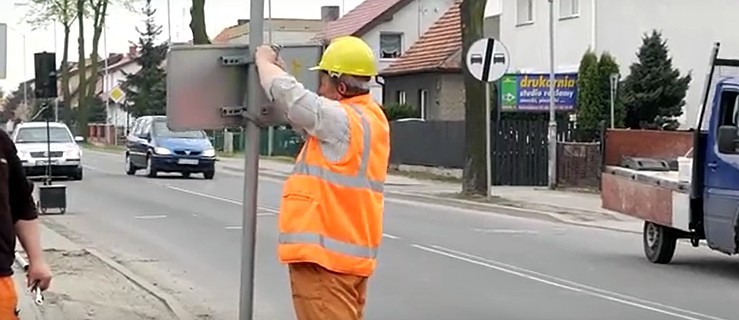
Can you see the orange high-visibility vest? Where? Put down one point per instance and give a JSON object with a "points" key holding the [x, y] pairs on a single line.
{"points": [[331, 212]]}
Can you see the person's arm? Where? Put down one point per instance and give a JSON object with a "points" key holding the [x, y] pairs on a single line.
{"points": [[22, 207], [320, 117]]}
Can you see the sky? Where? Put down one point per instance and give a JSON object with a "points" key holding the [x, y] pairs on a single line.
{"points": [[121, 28]]}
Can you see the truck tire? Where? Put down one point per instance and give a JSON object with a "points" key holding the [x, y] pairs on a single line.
{"points": [[659, 243]]}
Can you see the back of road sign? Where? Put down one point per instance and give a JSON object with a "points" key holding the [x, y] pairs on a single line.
{"points": [[199, 85], [487, 60]]}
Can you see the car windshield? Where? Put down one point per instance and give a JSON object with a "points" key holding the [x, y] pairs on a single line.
{"points": [[38, 134], [162, 131]]}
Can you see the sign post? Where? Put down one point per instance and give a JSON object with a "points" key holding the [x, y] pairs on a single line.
{"points": [[4, 50], [488, 60]]}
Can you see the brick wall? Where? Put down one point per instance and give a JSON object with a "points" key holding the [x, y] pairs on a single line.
{"points": [[620, 143], [451, 99]]}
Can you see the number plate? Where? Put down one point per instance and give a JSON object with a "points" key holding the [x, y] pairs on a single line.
{"points": [[188, 161], [45, 162]]}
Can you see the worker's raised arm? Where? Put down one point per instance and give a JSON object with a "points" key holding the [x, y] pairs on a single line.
{"points": [[320, 117]]}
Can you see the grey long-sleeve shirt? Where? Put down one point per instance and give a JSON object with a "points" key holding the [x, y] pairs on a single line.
{"points": [[317, 116]]}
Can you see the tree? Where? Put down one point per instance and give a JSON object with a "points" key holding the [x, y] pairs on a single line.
{"points": [[654, 91], [474, 176], [65, 13], [589, 98], [197, 23], [96, 11], [607, 66], [147, 88]]}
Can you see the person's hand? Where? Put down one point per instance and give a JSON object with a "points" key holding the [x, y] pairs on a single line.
{"points": [[266, 53], [39, 274]]}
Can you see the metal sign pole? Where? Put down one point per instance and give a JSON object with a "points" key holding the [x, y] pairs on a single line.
{"points": [[488, 152], [251, 167], [552, 119]]}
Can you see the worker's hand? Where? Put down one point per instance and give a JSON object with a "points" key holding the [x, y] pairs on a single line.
{"points": [[39, 274], [265, 53]]}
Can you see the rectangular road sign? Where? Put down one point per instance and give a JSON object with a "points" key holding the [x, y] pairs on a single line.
{"points": [[198, 85], [4, 50]]}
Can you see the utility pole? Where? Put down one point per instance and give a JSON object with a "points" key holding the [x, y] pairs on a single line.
{"points": [[56, 100], [270, 129], [552, 136], [169, 22], [251, 167]]}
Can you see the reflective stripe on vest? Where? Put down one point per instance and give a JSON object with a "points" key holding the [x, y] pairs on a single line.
{"points": [[361, 180], [328, 243]]}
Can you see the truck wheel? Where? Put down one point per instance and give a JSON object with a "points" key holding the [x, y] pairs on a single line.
{"points": [[659, 243]]}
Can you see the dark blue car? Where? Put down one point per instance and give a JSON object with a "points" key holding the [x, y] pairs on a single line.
{"points": [[153, 147]]}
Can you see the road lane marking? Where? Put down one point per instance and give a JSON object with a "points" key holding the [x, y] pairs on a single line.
{"points": [[150, 216], [390, 236], [505, 231], [567, 284], [232, 228], [268, 211]]}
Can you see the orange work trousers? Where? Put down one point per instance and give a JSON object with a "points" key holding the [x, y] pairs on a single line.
{"points": [[320, 294], [8, 299]]}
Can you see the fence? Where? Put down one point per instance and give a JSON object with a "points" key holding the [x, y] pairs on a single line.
{"points": [[579, 165], [427, 143], [285, 141]]}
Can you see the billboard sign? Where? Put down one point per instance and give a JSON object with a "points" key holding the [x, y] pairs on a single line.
{"points": [[530, 92]]}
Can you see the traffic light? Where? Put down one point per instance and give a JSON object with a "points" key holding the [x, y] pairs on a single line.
{"points": [[45, 71]]}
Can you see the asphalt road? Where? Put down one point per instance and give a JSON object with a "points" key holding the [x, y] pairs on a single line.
{"points": [[436, 262]]}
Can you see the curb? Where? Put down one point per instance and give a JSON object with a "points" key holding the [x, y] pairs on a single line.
{"points": [[545, 215], [168, 300]]}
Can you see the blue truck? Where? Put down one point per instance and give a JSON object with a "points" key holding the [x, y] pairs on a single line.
{"points": [[702, 202]]}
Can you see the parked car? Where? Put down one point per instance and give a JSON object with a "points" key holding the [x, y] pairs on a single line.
{"points": [[66, 155], [153, 147]]}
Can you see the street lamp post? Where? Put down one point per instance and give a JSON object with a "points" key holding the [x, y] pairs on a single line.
{"points": [[614, 85]]}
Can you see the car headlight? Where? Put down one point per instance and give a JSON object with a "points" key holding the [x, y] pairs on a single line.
{"points": [[73, 153], [209, 153], [162, 151], [23, 154]]}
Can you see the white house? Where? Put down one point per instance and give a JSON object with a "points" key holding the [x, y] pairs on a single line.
{"points": [[116, 75], [390, 27], [689, 26]]}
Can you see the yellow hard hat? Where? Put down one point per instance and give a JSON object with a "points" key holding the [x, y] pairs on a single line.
{"points": [[348, 55]]}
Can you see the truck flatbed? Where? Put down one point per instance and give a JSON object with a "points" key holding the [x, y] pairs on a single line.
{"points": [[665, 179]]}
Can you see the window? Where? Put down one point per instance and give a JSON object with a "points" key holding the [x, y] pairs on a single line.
{"points": [[161, 130], [423, 98], [400, 97], [38, 134], [391, 45], [525, 11], [569, 8]]}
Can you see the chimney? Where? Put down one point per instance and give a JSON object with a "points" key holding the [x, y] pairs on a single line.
{"points": [[330, 13], [132, 50], [242, 22]]}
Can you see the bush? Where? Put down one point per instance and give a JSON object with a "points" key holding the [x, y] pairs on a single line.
{"points": [[400, 111]]}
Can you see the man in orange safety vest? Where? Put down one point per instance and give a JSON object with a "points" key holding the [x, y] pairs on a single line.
{"points": [[330, 222]]}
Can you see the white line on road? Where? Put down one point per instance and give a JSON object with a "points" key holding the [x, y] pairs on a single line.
{"points": [[505, 231], [260, 208], [390, 236], [233, 228], [151, 216], [567, 285]]}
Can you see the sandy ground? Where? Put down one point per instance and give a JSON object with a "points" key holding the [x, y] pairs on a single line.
{"points": [[85, 288]]}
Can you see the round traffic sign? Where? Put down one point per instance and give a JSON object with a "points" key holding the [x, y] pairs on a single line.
{"points": [[487, 60]]}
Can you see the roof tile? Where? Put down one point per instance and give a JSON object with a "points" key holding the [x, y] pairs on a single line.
{"points": [[435, 49], [361, 18]]}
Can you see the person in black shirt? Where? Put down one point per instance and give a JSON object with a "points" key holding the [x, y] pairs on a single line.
{"points": [[18, 217]]}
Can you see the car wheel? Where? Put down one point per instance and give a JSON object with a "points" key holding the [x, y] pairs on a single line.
{"points": [[151, 172], [208, 175], [77, 176], [130, 168], [185, 174]]}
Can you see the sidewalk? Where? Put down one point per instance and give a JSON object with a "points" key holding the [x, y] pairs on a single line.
{"points": [[564, 206], [89, 286]]}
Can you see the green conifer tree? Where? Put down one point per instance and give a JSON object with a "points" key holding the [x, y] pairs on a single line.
{"points": [[147, 88], [589, 98], [654, 91]]}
